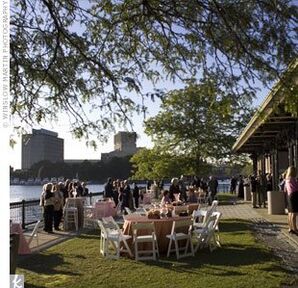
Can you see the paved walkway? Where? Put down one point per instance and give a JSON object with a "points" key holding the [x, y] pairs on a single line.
{"points": [[271, 229]]}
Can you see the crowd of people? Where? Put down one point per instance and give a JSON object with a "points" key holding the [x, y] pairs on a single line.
{"points": [[53, 199], [54, 195], [262, 182], [186, 193], [122, 194]]}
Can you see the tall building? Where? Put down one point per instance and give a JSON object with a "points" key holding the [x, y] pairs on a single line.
{"points": [[125, 142], [124, 145], [41, 145]]}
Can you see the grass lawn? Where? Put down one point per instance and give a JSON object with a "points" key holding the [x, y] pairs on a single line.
{"points": [[241, 262]]}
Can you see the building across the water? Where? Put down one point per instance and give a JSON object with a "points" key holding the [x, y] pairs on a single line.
{"points": [[124, 145], [41, 145], [271, 136]]}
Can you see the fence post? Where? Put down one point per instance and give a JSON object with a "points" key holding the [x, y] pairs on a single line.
{"points": [[23, 213]]}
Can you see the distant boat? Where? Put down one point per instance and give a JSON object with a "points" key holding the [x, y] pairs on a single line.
{"points": [[37, 181], [53, 180]]}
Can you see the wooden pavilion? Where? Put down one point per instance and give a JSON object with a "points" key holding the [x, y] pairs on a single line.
{"points": [[271, 136]]}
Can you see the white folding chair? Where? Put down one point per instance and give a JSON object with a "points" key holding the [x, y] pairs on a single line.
{"points": [[206, 235], [145, 238], [112, 237], [89, 219], [216, 227], [34, 233], [214, 205], [176, 236], [70, 214]]}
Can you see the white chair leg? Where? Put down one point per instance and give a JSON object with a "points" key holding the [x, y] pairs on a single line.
{"points": [[169, 248]]}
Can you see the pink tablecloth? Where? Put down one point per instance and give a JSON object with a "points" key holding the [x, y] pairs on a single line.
{"points": [[162, 228], [23, 245], [104, 209]]}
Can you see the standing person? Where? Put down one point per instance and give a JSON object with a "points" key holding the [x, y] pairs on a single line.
{"points": [[79, 189], [240, 187], [126, 195], [121, 194], [58, 205], [161, 184], [65, 189], [108, 192], [195, 182], [85, 190], [136, 194], [154, 189], [174, 189], [115, 193], [203, 185], [233, 185], [148, 185], [269, 182], [291, 188], [182, 187], [46, 201], [212, 185], [263, 189], [253, 190]]}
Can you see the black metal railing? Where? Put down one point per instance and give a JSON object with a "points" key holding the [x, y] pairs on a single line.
{"points": [[28, 212]]}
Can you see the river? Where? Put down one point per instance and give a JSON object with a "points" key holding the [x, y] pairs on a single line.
{"points": [[26, 192]]}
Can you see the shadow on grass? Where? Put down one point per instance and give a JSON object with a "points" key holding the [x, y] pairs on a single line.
{"points": [[231, 254], [29, 285], [235, 256], [45, 264]]}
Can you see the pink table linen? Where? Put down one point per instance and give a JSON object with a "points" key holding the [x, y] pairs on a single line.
{"points": [[104, 209], [162, 226], [23, 245]]}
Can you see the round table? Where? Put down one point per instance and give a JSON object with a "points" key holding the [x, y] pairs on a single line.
{"points": [[162, 226], [104, 209]]}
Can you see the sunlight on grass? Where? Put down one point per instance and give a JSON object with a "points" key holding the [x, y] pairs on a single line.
{"points": [[241, 262]]}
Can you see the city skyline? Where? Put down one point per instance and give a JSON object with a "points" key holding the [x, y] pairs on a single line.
{"points": [[73, 147]]}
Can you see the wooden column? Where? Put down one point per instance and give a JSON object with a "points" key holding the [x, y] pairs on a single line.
{"points": [[275, 174]]}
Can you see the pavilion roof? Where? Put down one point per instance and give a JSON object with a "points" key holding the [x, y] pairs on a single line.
{"points": [[271, 119]]}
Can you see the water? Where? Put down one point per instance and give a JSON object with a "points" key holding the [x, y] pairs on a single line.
{"points": [[20, 192]]}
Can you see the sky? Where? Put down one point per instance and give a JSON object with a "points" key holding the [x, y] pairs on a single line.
{"points": [[77, 149], [73, 147]]}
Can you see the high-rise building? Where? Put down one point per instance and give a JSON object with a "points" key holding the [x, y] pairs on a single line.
{"points": [[41, 145], [125, 142], [124, 145]]}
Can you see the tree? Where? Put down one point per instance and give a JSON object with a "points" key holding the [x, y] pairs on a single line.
{"points": [[87, 59], [153, 164], [200, 122]]}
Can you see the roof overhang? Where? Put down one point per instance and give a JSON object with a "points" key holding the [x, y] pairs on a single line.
{"points": [[270, 120]]}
